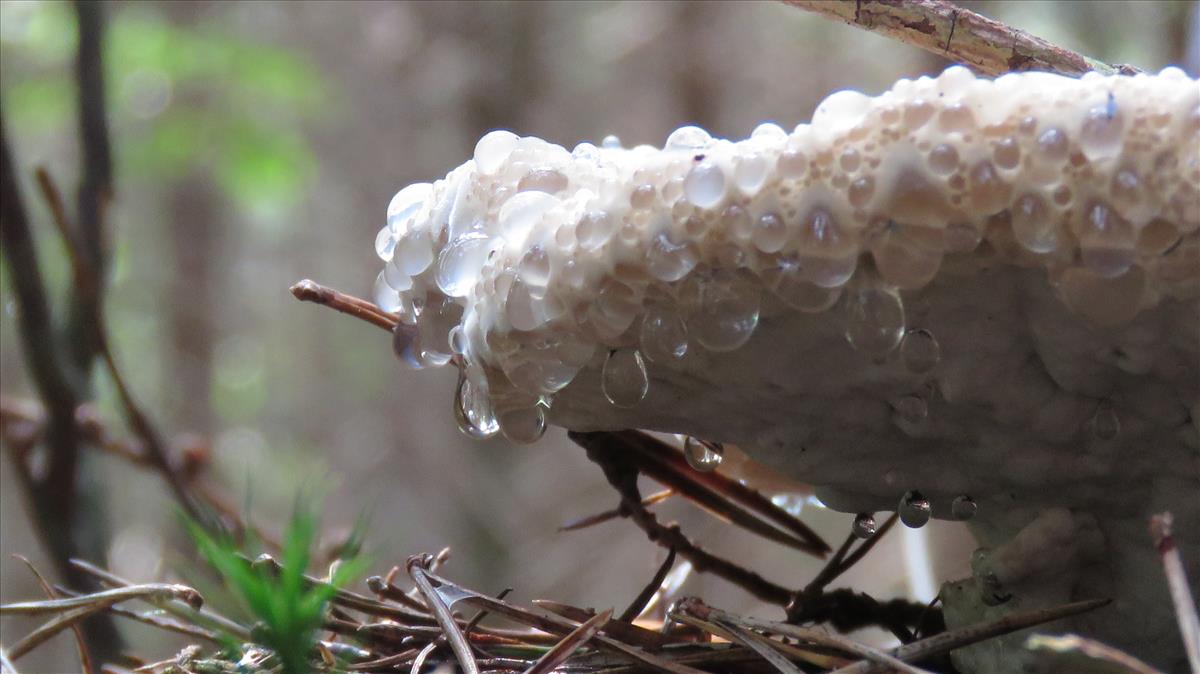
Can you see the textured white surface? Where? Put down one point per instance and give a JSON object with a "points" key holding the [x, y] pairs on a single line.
{"points": [[1033, 240]]}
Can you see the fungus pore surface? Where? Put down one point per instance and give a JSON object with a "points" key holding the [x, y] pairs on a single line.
{"points": [[980, 294]]}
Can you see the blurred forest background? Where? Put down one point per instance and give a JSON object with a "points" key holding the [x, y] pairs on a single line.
{"points": [[257, 143]]}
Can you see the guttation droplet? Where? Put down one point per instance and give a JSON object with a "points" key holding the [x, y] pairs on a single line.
{"points": [[703, 455], [523, 425], [919, 351], [874, 319], [664, 336], [864, 525], [473, 411], [623, 378], [963, 507], [914, 509]]}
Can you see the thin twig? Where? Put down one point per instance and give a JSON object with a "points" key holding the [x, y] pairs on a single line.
{"points": [[1181, 592], [570, 643], [943, 28], [945, 642], [453, 633], [311, 291], [643, 599], [614, 513], [85, 658]]}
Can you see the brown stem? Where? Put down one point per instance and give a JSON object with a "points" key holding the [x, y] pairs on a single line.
{"points": [[311, 291], [988, 46]]}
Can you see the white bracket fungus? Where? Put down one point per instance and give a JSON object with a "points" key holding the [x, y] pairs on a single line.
{"points": [[960, 295]]}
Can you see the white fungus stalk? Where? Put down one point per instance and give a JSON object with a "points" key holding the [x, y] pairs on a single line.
{"points": [[985, 293]]}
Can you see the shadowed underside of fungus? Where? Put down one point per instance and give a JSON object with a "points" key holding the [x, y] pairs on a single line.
{"points": [[961, 295]]}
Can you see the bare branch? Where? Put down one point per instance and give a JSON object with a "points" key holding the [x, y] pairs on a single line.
{"points": [[988, 46]]}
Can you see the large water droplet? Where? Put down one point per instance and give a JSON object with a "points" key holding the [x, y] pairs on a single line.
{"points": [[534, 268], [669, 261], [908, 256], [750, 172], [770, 234], [1105, 423], [623, 378], [405, 204], [787, 281], [1102, 131], [704, 185], [595, 228], [703, 455], [963, 508], [826, 254], [473, 410], [406, 344], [1107, 244], [493, 149], [874, 318], [914, 509], [912, 409], [523, 425], [384, 295], [1033, 225], [919, 351], [519, 214], [864, 525], [727, 312], [413, 253], [385, 243], [664, 335], [460, 263], [688, 138]]}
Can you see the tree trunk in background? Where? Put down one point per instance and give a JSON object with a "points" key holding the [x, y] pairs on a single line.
{"points": [[195, 235], [695, 81]]}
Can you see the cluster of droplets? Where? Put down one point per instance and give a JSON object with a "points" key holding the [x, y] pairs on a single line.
{"points": [[531, 262], [915, 510]]}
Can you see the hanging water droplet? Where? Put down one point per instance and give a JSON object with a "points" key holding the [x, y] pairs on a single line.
{"points": [[1105, 423], [704, 185], [670, 261], [864, 525], [385, 243], [473, 411], [919, 351], [460, 263], [912, 409], [1107, 244], [727, 313], [405, 204], [406, 345], [874, 318], [384, 295], [664, 335], [413, 253], [703, 455], [523, 425], [914, 509], [623, 378], [963, 507]]}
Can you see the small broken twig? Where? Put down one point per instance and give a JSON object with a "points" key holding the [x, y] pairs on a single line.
{"points": [[311, 291], [1181, 593]]}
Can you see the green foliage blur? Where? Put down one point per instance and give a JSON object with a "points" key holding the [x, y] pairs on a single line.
{"points": [[288, 609], [196, 98]]}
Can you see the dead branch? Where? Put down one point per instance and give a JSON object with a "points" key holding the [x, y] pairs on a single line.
{"points": [[987, 46]]}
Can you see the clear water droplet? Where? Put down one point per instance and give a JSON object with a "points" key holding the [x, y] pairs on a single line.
{"points": [[623, 378], [413, 253], [702, 455], [669, 261], [727, 312], [460, 263], [908, 256], [1102, 131], [473, 410], [611, 142], [919, 351], [398, 280], [406, 344], [914, 509], [874, 318], [688, 138], [864, 525], [595, 228], [1107, 244], [963, 507], [664, 335], [912, 409], [384, 295], [523, 425], [493, 149], [704, 185], [385, 243], [750, 172], [405, 204], [519, 214], [826, 254], [788, 283], [770, 234], [535, 267], [1033, 225], [1105, 423]]}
